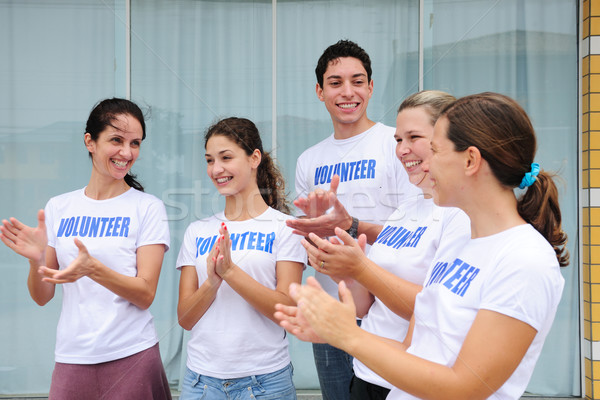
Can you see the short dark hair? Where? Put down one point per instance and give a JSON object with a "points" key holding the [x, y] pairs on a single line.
{"points": [[343, 48]]}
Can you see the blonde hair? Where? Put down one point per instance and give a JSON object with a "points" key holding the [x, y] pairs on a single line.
{"points": [[434, 101]]}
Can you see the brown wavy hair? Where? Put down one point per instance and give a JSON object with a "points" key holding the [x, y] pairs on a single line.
{"points": [[499, 127], [268, 177]]}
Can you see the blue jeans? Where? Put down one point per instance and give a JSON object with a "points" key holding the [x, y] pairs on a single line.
{"points": [[334, 368], [277, 385]]}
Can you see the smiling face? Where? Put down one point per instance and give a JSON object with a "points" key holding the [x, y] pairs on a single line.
{"points": [[231, 170], [346, 90], [413, 136], [117, 147], [445, 167]]}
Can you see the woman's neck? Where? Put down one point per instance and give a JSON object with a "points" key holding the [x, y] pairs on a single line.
{"points": [[242, 207], [99, 189], [493, 212]]}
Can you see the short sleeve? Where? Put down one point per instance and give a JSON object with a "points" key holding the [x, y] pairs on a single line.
{"points": [[187, 252], [154, 226], [526, 285], [49, 220], [289, 246], [301, 185]]}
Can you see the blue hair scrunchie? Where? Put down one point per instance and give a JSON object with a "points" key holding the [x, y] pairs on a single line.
{"points": [[530, 177]]}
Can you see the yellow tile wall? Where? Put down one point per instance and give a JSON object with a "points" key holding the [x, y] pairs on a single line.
{"points": [[590, 175]]}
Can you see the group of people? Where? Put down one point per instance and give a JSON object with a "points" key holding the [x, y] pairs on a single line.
{"points": [[433, 279]]}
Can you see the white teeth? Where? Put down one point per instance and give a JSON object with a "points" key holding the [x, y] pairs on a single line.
{"points": [[352, 105], [410, 164], [223, 180], [121, 164]]}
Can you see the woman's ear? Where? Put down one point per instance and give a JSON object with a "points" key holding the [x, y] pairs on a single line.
{"points": [[473, 160], [89, 143], [256, 158]]}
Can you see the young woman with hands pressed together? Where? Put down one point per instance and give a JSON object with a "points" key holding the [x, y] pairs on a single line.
{"points": [[235, 266]]}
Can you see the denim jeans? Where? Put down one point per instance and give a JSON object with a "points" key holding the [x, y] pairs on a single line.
{"points": [[334, 368], [277, 385]]}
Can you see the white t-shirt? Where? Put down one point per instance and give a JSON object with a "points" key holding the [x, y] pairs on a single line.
{"points": [[233, 339], [96, 325], [373, 182], [514, 272], [406, 246]]}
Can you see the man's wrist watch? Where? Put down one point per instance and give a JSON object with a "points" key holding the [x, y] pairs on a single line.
{"points": [[353, 230]]}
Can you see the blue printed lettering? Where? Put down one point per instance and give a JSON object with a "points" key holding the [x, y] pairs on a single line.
{"points": [[457, 282], [363, 168], [329, 174], [403, 239], [85, 225], [198, 241], [251, 240], [269, 242], [125, 227], [256, 241], [206, 244], [234, 237], [385, 233], [450, 282], [435, 272], [75, 226], [61, 227], [109, 227], [260, 241], [455, 264], [69, 229], [396, 236], [243, 237], [336, 169], [417, 236], [104, 221], [371, 169], [94, 225], [344, 174], [347, 171], [117, 225], [317, 172], [352, 169], [323, 177], [464, 283]]}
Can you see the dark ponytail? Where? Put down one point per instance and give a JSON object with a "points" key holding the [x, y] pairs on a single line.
{"points": [[502, 132], [103, 115], [268, 177], [539, 206]]}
